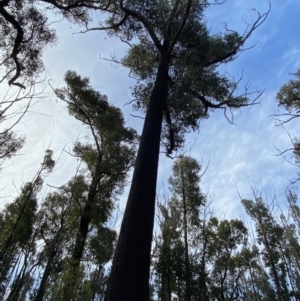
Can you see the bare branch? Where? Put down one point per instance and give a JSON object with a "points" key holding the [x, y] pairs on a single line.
{"points": [[259, 21], [137, 116]]}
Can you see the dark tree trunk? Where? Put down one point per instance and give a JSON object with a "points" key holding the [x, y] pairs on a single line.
{"points": [[41, 291], [53, 251], [273, 268], [129, 279], [85, 219]]}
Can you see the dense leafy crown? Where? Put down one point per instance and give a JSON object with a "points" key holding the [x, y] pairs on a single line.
{"points": [[178, 29]]}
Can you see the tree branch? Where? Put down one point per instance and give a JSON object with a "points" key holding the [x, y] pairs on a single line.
{"points": [[18, 40], [259, 21], [171, 147], [145, 22], [78, 4], [114, 26], [171, 18], [186, 15]]}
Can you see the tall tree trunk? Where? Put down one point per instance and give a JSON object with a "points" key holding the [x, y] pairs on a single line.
{"points": [[129, 279]]}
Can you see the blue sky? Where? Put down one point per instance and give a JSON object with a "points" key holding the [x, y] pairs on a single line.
{"points": [[240, 156]]}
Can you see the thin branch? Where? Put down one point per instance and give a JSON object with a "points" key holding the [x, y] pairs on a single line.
{"points": [[114, 26], [185, 17], [171, 18], [259, 21], [137, 116], [78, 4]]}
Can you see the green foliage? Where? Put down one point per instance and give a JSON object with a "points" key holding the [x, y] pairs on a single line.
{"points": [[10, 144], [184, 185], [24, 33], [17, 237], [289, 95], [195, 84]]}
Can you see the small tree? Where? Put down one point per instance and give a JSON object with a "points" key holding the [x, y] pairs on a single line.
{"points": [[188, 200], [17, 226], [270, 235]]}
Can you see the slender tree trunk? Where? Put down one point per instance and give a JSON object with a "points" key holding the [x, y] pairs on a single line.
{"points": [[18, 282], [96, 279], [129, 279], [41, 291], [273, 269], [85, 218], [169, 286], [186, 253], [252, 283], [203, 295]]}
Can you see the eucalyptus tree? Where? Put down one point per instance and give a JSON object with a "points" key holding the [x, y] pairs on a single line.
{"points": [[175, 60], [289, 249], [107, 159], [257, 285], [53, 231], [227, 251], [289, 97], [59, 218], [188, 199], [168, 258], [14, 105], [270, 234], [25, 31]]}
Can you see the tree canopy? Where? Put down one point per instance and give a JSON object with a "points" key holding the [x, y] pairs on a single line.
{"points": [[60, 244]]}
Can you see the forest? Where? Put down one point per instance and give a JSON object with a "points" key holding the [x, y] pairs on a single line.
{"points": [[133, 136]]}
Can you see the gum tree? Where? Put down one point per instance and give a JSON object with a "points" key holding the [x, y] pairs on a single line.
{"points": [[108, 158], [188, 199], [175, 60]]}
